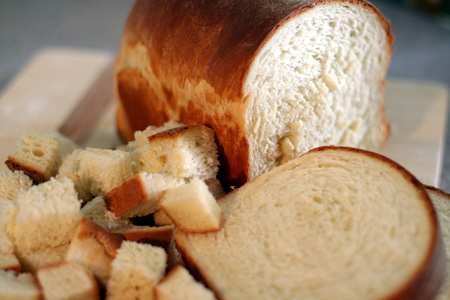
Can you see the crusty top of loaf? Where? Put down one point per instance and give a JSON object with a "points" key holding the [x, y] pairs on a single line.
{"points": [[166, 29]]}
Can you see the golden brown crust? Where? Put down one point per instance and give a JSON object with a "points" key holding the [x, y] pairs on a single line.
{"points": [[156, 236], [198, 55], [110, 241], [37, 175], [124, 197], [15, 268]]}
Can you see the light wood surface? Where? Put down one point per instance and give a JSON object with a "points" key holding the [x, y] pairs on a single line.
{"points": [[49, 89]]}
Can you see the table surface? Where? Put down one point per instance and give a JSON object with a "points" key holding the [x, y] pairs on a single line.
{"points": [[422, 40]]}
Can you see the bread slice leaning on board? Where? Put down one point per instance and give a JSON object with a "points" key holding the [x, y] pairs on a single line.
{"points": [[335, 223], [272, 78]]}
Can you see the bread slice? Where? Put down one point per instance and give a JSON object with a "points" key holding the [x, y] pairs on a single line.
{"points": [[67, 281], [33, 261], [94, 248], [441, 202], [335, 223], [21, 286], [135, 271], [184, 152], [11, 183], [101, 170], [192, 208], [180, 285], [139, 195], [273, 81], [47, 216], [141, 136], [96, 211], [36, 154], [8, 260]]}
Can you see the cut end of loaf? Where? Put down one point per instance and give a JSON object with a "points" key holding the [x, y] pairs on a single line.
{"points": [[318, 80]]}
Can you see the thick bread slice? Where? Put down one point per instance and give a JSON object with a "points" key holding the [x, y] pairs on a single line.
{"points": [[441, 201], [273, 79], [11, 183], [135, 271], [67, 281], [94, 248], [21, 286], [180, 285], [139, 195], [192, 207], [184, 152], [335, 223], [36, 154], [96, 211], [47, 216]]}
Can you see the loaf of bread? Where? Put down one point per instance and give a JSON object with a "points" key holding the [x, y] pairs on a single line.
{"points": [[335, 223], [272, 78]]}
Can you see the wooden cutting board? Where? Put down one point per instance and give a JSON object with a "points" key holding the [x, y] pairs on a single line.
{"points": [[47, 93]]}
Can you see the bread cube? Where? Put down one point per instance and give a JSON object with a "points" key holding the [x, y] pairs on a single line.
{"points": [[192, 208], [36, 154], [139, 196], [135, 271]]}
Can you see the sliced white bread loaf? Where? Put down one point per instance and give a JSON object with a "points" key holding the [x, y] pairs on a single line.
{"points": [[101, 170], [67, 281], [19, 286], [215, 187], [36, 154], [11, 183], [141, 136], [47, 216], [184, 152], [180, 285], [335, 223], [94, 248], [135, 271], [139, 195], [96, 211], [8, 260], [192, 208], [441, 202], [33, 261], [273, 79]]}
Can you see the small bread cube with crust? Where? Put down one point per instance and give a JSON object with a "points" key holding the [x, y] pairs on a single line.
{"points": [[36, 154], [192, 208], [139, 196]]}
